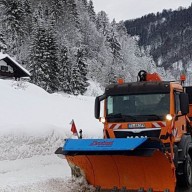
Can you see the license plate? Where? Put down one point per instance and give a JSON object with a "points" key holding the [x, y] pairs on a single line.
{"points": [[136, 125]]}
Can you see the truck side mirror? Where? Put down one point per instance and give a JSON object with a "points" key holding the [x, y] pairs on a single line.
{"points": [[97, 107], [184, 103]]}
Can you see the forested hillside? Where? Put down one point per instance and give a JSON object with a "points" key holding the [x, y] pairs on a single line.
{"points": [[64, 44], [167, 36]]}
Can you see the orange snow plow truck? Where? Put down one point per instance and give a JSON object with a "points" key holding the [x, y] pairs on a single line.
{"points": [[147, 143]]}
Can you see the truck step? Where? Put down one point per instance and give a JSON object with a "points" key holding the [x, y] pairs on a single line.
{"points": [[115, 189], [180, 173], [180, 162]]}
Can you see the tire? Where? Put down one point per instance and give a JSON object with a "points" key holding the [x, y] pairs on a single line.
{"points": [[188, 171], [185, 180]]}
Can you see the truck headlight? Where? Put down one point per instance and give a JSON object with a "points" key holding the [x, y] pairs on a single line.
{"points": [[102, 119], [169, 117]]}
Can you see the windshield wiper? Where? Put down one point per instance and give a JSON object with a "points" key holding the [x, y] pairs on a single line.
{"points": [[121, 117], [114, 115], [152, 116], [128, 117]]}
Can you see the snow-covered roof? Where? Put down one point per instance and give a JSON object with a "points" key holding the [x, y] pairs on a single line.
{"points": [[22, 71]]}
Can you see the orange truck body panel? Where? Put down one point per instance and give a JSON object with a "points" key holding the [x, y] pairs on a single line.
{"points": [[153, 77], [190, 113]]}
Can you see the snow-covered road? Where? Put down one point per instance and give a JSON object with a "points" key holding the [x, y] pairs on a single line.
{"points": [[37, 173], [47, 173]]}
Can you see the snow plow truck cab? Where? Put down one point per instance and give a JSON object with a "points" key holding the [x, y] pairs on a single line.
{"points": [[146, 144]]}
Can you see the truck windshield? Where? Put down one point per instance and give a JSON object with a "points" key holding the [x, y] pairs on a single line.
{"points": [[143, 107]]}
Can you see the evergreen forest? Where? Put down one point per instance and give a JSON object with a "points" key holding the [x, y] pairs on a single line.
{"points": [[167, 36], [65, 44]]}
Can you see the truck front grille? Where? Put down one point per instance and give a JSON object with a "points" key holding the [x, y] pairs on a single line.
{"points": [[125, 133]]}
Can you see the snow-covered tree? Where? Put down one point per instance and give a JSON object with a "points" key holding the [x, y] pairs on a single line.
{"points": [[27, 16], [14, 23], [43, 57], [102, 23], [114, 44], [75, 79], [65, 66], [85, 4], [3, 45], [57, 9], [72, 12], [121, 29], [81, 52], [91, 11], [79, 79]]}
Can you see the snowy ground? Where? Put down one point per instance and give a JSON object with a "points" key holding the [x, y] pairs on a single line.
{"points": [[33, 125]]}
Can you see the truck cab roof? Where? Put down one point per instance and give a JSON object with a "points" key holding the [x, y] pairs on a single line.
{"points": [[142, 87]]}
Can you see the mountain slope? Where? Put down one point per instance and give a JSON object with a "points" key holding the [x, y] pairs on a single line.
{"points": [[167, 36]]}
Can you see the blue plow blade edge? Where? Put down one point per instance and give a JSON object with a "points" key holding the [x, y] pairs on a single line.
{"points": [[124, 146]]}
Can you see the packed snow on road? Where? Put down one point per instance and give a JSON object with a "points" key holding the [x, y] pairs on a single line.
{"points": [[33, 125]]}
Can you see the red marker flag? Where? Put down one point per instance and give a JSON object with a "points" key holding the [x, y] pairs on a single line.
{"points": [[73, 128]]}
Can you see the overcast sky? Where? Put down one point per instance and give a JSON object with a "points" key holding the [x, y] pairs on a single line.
{"points": [[130, 9]]}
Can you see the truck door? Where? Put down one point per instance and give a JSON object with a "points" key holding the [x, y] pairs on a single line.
{"points": [[180, 122], [188, 90]]}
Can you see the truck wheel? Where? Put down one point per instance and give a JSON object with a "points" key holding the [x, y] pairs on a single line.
{"points": [[188, 171], [185, 180]]}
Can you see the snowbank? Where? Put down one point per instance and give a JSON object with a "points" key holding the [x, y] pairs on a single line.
{"points": [[33, 124]]}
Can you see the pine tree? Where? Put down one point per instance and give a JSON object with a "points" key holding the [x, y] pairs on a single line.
{"points": [[3, 46], [111, 76], [85, 4], [57, 8], [102, 23], [21, 51], [114, 44], [13, 23], [43, 57], [75, 79], [83, 69], [114, 66], [121, 29], [91, 11], [69, 27], [65, 71], [79, 74], [27, 7], [72, 12]]}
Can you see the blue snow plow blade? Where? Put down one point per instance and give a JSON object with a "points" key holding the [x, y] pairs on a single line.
{"points": [[126, 146]]}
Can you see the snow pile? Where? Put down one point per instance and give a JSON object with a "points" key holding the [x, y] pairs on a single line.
{"points": [[33, 171], [94, 89], [22, 145], [33, 125]]}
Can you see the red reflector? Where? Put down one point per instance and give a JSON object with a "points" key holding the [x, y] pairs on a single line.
{"points": [[120, 81], [182, 77]]}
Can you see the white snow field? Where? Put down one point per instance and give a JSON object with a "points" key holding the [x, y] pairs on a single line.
{"points": [[33, 124]]}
